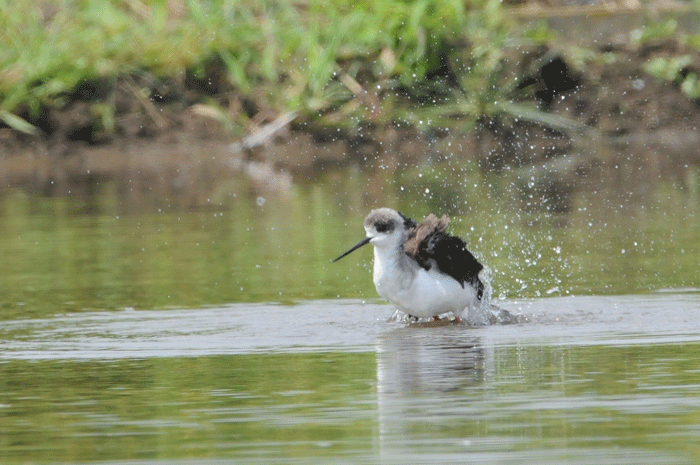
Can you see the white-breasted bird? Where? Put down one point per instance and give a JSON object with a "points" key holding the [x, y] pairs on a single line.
{"points": [[422, 270]]}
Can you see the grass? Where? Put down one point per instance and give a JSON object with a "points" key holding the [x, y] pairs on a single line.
{"points": [[279, 55], [331, 62]]}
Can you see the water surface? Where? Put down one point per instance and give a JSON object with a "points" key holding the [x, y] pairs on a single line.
{"points": [[107, 252], [144, 329], [587, 379]]}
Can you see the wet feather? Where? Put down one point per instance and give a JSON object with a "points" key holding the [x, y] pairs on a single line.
{"points": [[428, 240]]}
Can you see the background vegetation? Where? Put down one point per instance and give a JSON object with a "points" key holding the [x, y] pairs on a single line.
{"points": [[336, 63]]}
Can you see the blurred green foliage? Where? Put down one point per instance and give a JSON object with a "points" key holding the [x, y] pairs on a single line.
{"points": [[281, 55]]}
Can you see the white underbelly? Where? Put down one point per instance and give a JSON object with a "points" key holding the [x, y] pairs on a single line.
{"points": [[428, 293]]}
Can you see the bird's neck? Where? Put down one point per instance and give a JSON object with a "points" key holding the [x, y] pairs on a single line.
{"points": [[390, 263]]}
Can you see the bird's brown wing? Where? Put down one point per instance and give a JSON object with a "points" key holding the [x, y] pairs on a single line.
{"points": [[418, 234], [428, 244]]}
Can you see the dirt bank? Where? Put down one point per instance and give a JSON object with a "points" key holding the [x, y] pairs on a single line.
{"points": [[172, 140]]}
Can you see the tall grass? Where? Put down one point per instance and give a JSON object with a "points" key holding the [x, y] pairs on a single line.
{"points": [[334, 61], [282, 55]]}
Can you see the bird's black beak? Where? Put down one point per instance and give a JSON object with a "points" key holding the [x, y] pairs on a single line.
{"points": [[364, 241]]}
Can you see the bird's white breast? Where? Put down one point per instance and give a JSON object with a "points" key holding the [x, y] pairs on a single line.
{"points": [[416, 291]]}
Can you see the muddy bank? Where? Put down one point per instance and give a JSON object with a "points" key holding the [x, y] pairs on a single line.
{"points": [[611, 116]]}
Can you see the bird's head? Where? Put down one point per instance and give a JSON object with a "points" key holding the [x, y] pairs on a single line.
{"points": [[385, 228]]}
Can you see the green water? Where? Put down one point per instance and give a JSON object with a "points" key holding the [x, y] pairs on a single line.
{"points": [[60, 255], [186, 407], [615, 404], [272, 363]]}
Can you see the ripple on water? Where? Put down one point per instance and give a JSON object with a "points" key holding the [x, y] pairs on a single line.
{"points": [[343, 324]]}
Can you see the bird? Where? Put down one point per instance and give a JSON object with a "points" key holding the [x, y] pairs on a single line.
{"points": [[422, 270]]}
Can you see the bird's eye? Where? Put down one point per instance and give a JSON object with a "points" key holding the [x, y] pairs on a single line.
{"points": [[384, 226]]}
